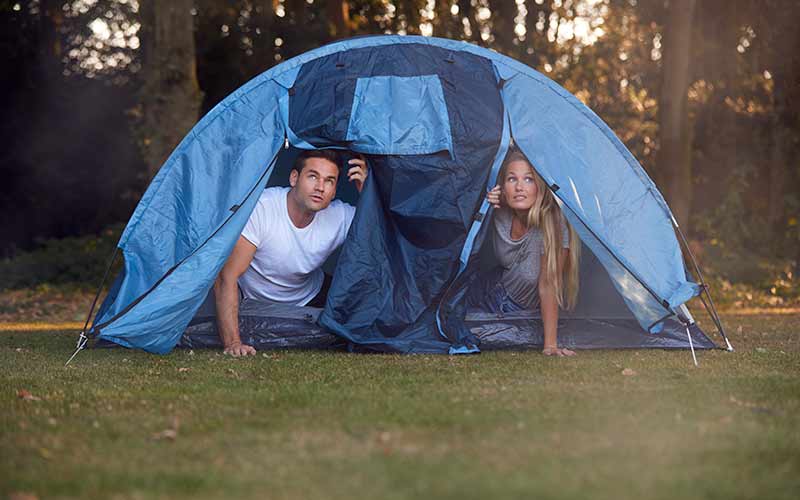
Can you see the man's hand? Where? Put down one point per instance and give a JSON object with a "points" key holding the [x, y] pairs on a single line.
{"points": [[493, 196], [238, 349], [357, 172], [557, 351]]}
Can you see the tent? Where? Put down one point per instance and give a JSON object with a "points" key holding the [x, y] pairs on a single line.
{"points": [[435, 119]]}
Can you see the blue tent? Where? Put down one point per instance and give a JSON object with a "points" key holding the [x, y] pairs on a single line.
{"points": [[435, 119]]}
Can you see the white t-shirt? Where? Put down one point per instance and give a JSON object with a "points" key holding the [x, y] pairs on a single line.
{"points": [[287, 264]]}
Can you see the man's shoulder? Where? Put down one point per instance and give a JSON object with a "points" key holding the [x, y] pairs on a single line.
{"points": [[272, 196], [339, 205], [339, 210], [273, 192]]}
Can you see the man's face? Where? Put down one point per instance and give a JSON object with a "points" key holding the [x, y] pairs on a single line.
{"points": [[315, 186]]}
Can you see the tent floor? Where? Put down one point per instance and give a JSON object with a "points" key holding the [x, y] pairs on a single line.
{"points": [[526, 332], [270, 326]]}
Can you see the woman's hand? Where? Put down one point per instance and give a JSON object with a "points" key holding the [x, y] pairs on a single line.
{"points": [[557, 351], [493, 196], [357, 173]]}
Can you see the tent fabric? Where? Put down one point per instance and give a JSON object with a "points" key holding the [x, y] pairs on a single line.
{"points": [[414, 213], [427, 178], [415, 109], [605, 190], [189, 219]]}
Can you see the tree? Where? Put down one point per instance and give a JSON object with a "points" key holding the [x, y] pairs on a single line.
{"points": [[445, 23], [503, 13], [674, 157], [468, 14], [339, 18], [171, 96]]}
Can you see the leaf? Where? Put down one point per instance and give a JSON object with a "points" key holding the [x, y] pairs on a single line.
{"points": [[22, 495], [27, 396], [169, 434]]}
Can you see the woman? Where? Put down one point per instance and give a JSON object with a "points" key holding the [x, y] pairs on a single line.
{"points": [[537, 250]]}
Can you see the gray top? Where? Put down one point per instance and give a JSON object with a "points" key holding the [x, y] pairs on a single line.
{"points": [[521, 259]]}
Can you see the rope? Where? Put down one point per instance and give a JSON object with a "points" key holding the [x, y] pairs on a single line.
{"points": [[82, 338]]}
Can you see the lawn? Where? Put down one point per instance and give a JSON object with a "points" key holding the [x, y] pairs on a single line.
{"points": [[124, 424]]}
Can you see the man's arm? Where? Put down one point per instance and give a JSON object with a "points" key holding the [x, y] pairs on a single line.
{"points": [[226, 295]]}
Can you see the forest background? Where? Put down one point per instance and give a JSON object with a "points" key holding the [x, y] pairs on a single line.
{"points": [[706, 94]]}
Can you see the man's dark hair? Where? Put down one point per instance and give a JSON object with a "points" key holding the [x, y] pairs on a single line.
{"points": [[326, 154]]}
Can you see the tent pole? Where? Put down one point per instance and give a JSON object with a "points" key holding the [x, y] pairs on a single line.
{"points": [[715, 320], [712, 311], [82, 338]]}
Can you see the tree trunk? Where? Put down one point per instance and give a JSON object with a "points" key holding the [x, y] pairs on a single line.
{"points": [[674, 157], [503, 14], [171, 96], [51, 18], [444, 23], [339, 19], [537, 39], [781, 145], [466, 12], [409, 11], [777, 179], [264, 38]]}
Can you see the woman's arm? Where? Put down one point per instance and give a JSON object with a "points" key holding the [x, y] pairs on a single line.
{"points": [[549, 305]]}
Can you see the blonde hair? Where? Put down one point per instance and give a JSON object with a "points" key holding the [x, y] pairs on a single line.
{"points": [[546, 215]]}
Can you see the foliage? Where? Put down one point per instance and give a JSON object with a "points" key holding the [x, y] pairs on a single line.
{"points": [[75, 260], [68, 163]]}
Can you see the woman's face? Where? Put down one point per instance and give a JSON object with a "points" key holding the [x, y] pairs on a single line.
{"points": [[519, 186]]}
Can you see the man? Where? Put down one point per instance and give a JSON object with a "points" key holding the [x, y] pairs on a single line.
{"points": [[289, 235]]}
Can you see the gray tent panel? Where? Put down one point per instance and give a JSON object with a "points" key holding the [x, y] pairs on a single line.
{"points": [[274, 326]]}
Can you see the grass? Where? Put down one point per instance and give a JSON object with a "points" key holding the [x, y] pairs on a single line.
{"points": [[125, 424]]}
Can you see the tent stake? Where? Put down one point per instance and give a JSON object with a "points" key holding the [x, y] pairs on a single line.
{"points": [[82, 340], [691, 345]]}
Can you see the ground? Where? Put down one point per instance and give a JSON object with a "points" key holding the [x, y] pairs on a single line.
{"points": [[605, 424]]}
